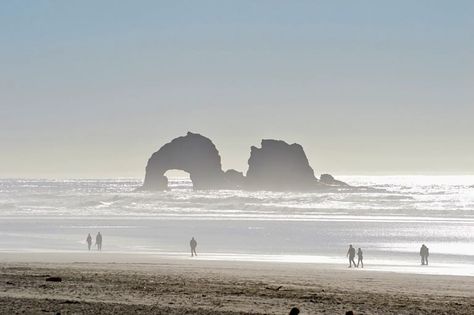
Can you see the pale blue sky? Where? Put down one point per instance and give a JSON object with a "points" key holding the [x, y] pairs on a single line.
{"points": [[92, 88]]}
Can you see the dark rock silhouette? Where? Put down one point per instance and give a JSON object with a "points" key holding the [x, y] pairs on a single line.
{"points": [[277, 165], [192, 153], [330, 180], [234, 179]]}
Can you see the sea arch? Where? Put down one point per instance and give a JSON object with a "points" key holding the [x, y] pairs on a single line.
{"points": [[194, 154]]}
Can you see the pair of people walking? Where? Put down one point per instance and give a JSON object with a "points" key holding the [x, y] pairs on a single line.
{"points": [[351, 253], [98, 241]]}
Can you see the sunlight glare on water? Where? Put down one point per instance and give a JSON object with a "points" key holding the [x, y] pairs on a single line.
{"points": [[390, 218]]}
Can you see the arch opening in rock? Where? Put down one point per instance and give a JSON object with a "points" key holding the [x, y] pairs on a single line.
{"points": [[194, 154], [276, 166], [178, 180]]}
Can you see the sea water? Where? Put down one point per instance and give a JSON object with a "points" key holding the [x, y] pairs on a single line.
{"points": [[389, 220]]}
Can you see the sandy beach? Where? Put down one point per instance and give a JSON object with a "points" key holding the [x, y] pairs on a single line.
{"points": [[236, 157], [103, 283]]}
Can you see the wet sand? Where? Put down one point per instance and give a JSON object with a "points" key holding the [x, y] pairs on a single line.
{"points": [[102, 283]]}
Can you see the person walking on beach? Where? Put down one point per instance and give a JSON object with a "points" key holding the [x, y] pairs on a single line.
{"points": [[89, 241], [360, 258], [424, 253], [351, 254], [193, 245], [427, 253], [98, 241]]}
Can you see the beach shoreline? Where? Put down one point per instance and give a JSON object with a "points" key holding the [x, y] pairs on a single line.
{"points": [[144, 284]]}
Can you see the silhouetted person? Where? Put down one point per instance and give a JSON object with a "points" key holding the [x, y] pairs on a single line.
{"points": [[89, 241], [98, 241], [294, 311], [193, 245], [360, 258], [351, 254], [424, 253], [427, 253], [349, 313]]}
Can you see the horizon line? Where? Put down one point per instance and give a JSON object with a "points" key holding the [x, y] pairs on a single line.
{"points": [[142, 178]]}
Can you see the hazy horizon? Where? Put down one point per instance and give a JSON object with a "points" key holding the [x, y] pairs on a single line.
{"points": [[91, 90], [175, 174]]}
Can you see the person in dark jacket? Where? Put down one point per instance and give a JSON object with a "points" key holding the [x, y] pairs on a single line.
{"points": [[360, 258], [98, 241], [89, 241], [351, 254], [193, 245], [424, 253], [294, 311]]}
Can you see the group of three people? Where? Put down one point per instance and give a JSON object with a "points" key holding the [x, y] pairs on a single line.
{"points": [[98, 241], [351, 253]]}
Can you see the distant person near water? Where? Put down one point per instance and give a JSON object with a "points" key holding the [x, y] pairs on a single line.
{"points": [[193, 245], [351, 254], [89, 241], [98, 241], [360, 258], [424, 253]]}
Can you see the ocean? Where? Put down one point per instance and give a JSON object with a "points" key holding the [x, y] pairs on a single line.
{"points": [[389, 220]]}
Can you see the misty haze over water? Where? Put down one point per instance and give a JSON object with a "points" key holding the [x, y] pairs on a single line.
{"points": [[389, 222]]}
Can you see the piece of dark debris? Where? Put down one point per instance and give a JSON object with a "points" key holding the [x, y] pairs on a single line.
{"points": [[274, 289]]}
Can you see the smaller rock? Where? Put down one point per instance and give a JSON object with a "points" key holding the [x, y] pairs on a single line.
{"points": [[331, 181], [234, 179], [54, 279]]}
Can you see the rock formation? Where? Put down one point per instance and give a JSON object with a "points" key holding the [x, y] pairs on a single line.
{"points": [[192, 153], [234, 179], [277, 165], [329, 180]]}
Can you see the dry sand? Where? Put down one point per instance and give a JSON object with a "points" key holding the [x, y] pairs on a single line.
{"points": [[145, 284]]}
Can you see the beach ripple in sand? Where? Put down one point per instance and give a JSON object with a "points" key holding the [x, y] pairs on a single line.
{"points": [[168, 288]]}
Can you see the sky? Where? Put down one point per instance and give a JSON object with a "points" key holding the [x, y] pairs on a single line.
{"points": [[91, 89]]}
